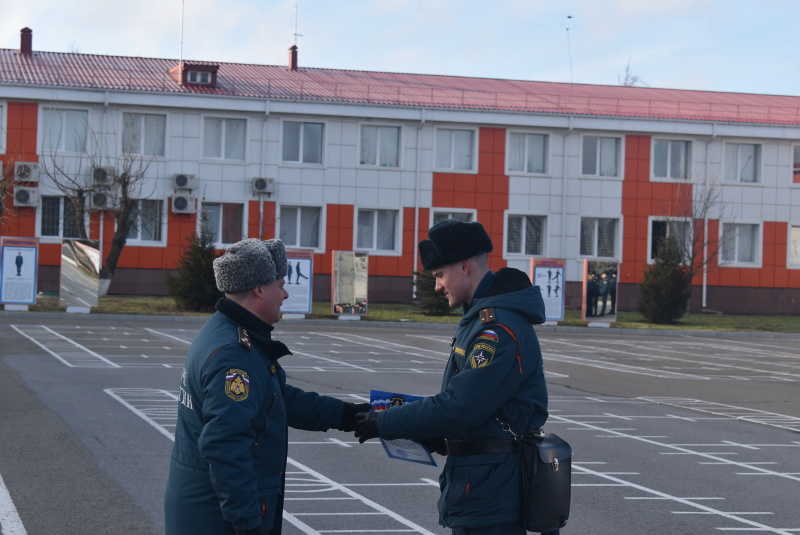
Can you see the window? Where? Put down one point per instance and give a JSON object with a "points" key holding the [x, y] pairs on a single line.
{"points": [[525, 234], [377, 230], [143, 134], [59, 218], [796, 165], [660, 230], [794, 245], [224, 138], [300, 226], [302, 142], [65, 130], [671, 159], [601, 156], [742, 162], [455, 149], [198, 77], [223, 221], [148, 218], [598, 237], [439, 216], [739, 243], [527, 153], [380, 145]]}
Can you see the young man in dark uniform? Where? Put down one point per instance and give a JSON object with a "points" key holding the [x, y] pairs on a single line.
{"points": [[227, 469], [494, 375]]}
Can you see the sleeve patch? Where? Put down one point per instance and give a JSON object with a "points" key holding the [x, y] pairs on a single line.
{"points": [[237, 384], [481, 355]]}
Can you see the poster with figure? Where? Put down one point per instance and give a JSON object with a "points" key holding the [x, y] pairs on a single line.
{"points": [[19, 258], [600, 292], [299, 281], [548, 275]]}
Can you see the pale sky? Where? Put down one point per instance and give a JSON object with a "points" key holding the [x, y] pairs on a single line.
{"points": [[750, 46]]}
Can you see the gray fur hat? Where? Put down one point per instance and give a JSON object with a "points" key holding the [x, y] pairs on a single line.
{"points": [[250, 263]]}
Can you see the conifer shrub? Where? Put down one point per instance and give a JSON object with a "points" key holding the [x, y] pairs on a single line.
{"points": [[666, 289], [431, 302], [193, 286]]}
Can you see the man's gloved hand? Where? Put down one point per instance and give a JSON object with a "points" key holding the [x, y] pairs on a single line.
{"points": [[366, 426], [349, 415]]}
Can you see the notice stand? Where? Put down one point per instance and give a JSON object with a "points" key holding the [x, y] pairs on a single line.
{"points": [[601, 324], [78, 310], [294, 316], [349, 317], [23, 308]]}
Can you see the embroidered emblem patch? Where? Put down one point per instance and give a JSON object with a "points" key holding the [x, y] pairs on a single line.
{"points": [[488, 334], [237, 385], [482, 354]]}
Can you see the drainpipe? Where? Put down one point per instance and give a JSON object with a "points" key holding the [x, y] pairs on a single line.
{"points": [[262, 169], [564, 191], [704, 303], [416, 200]]}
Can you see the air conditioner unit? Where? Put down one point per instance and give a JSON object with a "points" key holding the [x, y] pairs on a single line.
{"points": [[26, 171], [263, 185], [184, 181], [26, 197], [103, 175], [184, 204], [101, 199]]}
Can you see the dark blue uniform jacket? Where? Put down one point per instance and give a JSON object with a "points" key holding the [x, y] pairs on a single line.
{"points": [[228, 462], [495, 369]]}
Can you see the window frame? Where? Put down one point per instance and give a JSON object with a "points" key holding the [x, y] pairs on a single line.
{"points": [[378, 165], [795, 171], [472, 212], [142, 144], [50, 238], [653, 219], [474, 156], [219, 231], [546, 156], [617, 238], [758, 250], [138, 241], [619, 155], [789, 263], [398, 245], [4, 130], [44, 112], [321, 230], [758, 168], [689, 154], [522, 254], [300, 162], [222, 157]]}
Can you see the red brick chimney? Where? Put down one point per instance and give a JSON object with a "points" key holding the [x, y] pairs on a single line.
{"points": [[26, 41], [293, 58]]}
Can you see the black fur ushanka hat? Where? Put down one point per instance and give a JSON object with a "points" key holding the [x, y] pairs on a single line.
{"points": [[452, 241]]}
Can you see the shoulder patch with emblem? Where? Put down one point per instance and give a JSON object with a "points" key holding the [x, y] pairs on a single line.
{"points": [[237, 384], [482, 354], [488, 334]]}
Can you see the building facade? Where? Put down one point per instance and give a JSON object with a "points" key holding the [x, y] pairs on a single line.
{"points": [[334, 160]]}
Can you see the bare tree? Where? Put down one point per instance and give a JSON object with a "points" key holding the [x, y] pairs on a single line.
{"points": [[92, 184], [629, 79]]}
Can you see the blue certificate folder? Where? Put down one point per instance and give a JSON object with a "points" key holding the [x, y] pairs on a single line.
{"points": [[403, 449]]}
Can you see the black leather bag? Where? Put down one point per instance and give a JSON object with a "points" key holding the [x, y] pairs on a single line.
{"points": [[546, 475]]}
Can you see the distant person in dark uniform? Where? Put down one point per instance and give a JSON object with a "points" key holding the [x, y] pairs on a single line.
{"points": [[288, 273], [18, 261], [228, 466], [592, 292], [612, 292], [297, 268], [604, 286], [494, 368]]}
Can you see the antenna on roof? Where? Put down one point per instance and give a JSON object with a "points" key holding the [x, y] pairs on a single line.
{"points": [[569, 49], [296, 35]]}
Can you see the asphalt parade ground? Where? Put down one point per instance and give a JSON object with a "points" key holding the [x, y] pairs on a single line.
{"points": [[672, 434]]}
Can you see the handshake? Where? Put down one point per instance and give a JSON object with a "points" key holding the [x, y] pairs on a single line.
{"points": [[357, 418]]}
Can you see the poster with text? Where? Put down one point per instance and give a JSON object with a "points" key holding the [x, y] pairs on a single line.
{"points": [[19, 258]]}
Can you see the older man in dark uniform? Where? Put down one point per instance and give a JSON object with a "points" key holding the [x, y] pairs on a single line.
{"points": [[494, 375], [227, 469]]}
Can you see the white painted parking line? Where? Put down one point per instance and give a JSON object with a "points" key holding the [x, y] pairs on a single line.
{"points": [[771, 419], [10, 522], [64, 349]]}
